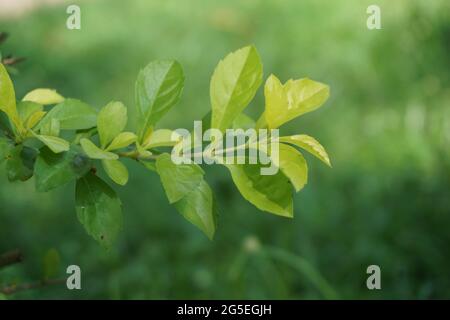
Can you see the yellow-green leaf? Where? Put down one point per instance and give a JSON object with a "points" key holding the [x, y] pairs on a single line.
{"points": [[285, 102], [111, 120], [160, 138], [293, 165], [56, 144], [233, 85], [309, 144], [95, 152], [8, 98], [123, 140], [34, 118], [44, 96], [116, 170]]}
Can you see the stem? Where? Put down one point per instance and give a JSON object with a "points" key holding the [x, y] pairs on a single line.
{"points": [[10, 257], [28, 286]]}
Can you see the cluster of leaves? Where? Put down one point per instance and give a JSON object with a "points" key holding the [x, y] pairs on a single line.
{"points": [[59, 140]]}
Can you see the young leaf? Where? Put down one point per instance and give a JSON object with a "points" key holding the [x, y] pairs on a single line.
{"points": [[160, 138], [8, 98], [56, 144], [27, 108], [293, 165], [291, 100], [233, 85], [178, 180], [20, 163], [72, 115], [123, 140], [309, 144], [98, 208], [44, 96], [54, 170], [267, 193], [116, 170], [243, 121], [158, 88], [95, 152], [34, 119], [111, 120], [198, 208]]}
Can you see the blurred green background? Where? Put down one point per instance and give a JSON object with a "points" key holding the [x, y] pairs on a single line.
{"points": [[386, 127]]}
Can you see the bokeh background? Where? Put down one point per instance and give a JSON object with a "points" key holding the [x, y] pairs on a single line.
{"points": [[386, 127]]}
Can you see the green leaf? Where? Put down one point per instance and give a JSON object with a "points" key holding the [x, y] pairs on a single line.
{"points": [[72, 115], [160, 138], [95, 152], [309, 144], [54, 170], [293, 165], [198, 208], [8, 97], [123, 140], [233, 85], [111, 120], [51, 264], [5, 149], [116, 170], [49, 128], [291, 100], [244, 122], [158, 88], [56, 144], [20, 163], [177, 180], [150, 165], [268, 193], [43, 96], [98, 209], [27, 108], [34, 119]]}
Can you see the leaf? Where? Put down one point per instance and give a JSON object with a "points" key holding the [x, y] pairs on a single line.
{"points": [[116, 170], [56, 144], [243, 121], [198, 208], [293, 165], [55, 170], [27, 108], [150, 165], [72, 115], [98, 208], [5, 148], [158, 89], [123, 140], [50, 128], [160, 138], [34, 119], [291, 100], [20, 163], [309, 144], [51, 264], [43, 96], [177, 180], [233, 85], [8, 97], [95, 152], [111, 120], [267, 193]]}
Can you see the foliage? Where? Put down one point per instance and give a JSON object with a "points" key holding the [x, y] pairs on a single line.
{"points": [[61, 140]]}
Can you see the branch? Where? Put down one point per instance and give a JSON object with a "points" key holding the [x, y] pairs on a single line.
{"points": [[28, 286], [10, 257]]}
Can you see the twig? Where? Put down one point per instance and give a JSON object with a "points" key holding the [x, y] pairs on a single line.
{"points": [[28, 286], [10, 257]]}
